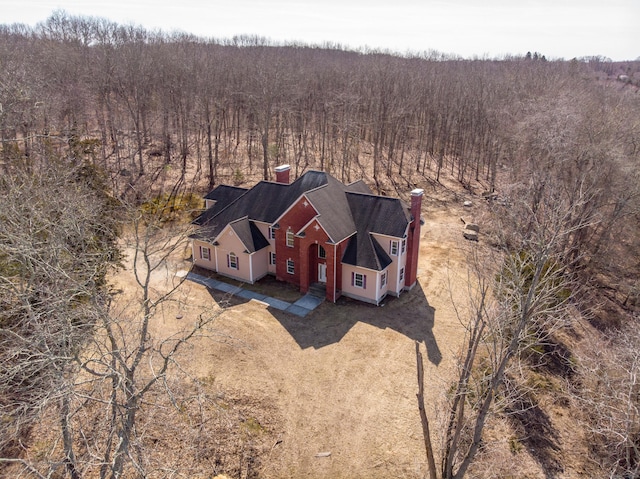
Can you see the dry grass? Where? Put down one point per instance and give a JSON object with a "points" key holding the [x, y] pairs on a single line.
{"points": [[342, 380], [268, 394]]}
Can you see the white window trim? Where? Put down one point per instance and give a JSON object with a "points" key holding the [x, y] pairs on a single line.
{"points": [[383, 279], [290, 236], [272, 258], [362, 280], [401, 276], [394, 247], [272, 233], [291, 267], [205, 253], [324, 251], [404, 245], [233, 258]]}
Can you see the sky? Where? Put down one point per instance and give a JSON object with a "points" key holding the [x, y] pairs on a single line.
{"points": [[468, 28]]}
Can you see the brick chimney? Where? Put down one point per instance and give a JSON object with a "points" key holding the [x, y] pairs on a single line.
{"points": [[282, 174], [413, 240]]}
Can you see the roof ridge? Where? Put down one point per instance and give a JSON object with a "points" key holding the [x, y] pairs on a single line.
{"points": [[245, 217], [373, 247], [394, 198]]}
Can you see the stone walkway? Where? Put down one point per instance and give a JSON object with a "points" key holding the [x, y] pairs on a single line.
{"points": [[301, 307]]}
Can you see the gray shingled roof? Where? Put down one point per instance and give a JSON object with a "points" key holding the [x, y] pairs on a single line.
{"points": [[249, 234], [359, 187], [265, 202], [374, 214], [365, 251], [379, 214], [334, 215], [342, 211], [223, 195]]}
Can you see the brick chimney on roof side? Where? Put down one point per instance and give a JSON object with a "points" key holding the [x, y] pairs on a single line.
{"points": [[282, 174], [413, 240]]}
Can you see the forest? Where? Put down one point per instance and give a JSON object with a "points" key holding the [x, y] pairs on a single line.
{"points": [[95, 116]]}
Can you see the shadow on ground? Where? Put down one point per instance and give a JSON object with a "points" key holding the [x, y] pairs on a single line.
{"points": [[536, 432], [410, 315]]}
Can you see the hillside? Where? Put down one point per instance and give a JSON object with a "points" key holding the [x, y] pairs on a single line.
{"points": [[111, 121]]}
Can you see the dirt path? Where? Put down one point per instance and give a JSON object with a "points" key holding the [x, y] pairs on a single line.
{"points": [[343, 379]]}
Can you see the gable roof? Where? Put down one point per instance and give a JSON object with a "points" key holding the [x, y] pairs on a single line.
{"points": [[365, 251], [379, 214], [222, 195], [333, 212], [359, 187], [343, 211], [374, 214], [265, 202], [225, 193], [249, 234]]}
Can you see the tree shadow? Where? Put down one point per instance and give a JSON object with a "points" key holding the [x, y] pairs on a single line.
{"points": [[410, 315], [553, 357], [536, 432]]}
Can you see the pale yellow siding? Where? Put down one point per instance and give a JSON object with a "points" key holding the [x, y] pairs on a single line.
{"points": [[395, 285], [260, 262], [199, 257], [228, 242], [264, 229], [370, 292]]}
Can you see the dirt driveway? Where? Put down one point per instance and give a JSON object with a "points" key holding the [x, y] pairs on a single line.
{"points": [[342, 381]]}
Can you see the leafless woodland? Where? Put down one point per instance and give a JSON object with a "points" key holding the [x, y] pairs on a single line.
{"points": [[101, 115]]}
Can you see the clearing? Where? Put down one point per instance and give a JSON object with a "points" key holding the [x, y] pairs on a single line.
{"points": [[340, 384]]}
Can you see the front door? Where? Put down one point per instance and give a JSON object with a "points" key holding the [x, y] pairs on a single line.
{"points": [[322, 273]]}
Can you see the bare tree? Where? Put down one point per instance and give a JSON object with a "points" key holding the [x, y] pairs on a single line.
{"points": [[70, 351], [511, 309], [57, 239], [609, 393], [128, 357]]}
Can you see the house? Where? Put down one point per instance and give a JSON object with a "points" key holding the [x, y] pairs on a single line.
{"points": [[313, 230]]}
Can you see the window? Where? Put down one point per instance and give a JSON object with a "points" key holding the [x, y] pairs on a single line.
{"points": [[404, 245], [290, 239], [359, 280], [272, 258], [401, 274], [205, 253], [383, 280], [291, 268], [321, 252], [393, 248], [272, 233], [232, 261]]}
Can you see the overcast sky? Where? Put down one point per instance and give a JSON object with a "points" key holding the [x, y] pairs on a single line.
{"points": [[556, 28]]}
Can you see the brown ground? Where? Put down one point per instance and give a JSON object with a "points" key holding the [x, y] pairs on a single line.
{"points": [[332, 394], [343, 379]]}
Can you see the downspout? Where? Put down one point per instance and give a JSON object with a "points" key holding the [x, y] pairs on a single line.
{"points": [[251, 267], [397, 287], [215, 248], [335, 253]]}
